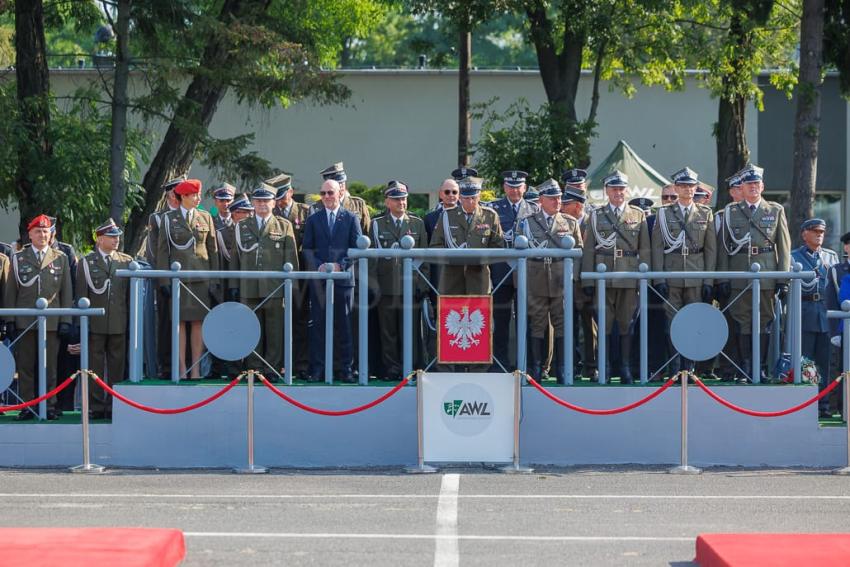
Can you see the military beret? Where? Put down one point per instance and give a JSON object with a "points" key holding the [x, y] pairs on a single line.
{"points": [[108, 228], [41, 221], [188, 187]]}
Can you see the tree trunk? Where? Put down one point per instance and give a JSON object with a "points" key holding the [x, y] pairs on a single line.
{"points": [[199, 104], [33, 87], [118, 147], [464, 122], [807, 120], [733, 153]]}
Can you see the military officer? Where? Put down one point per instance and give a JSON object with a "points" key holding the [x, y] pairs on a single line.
{"points": [[188, 236], [573, 204], [296, 213], [544, 229], [223, 196], [239, 208], [683, 239], [510, 208], [163, 302], [38, 271], [727, 370], [354, 204], [617, 236], [387, 231], [754, 230], [815, 326], [265, 242], [468, 226], [107, 334]]}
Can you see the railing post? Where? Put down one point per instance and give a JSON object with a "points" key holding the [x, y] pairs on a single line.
{"points": [[756, 325], [568, 243], [175, 324], [407, 243], [521, 243], [420, 467], [136, 331], [363, 243], [87, 466], [845, 358], [515, 467], [251, 468], [287, 326], [795, 318], [643, 297], [41, 344], [601, 338], [684, 467], [329, 329]]}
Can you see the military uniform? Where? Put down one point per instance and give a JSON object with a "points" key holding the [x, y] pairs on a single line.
{"points": [[192, 242], [387, 275], [96, 280], [727, 370], [30, 279], [754, 234], [455, 230], [546, 280], [258, 250], [4, 282], [621, 243]]}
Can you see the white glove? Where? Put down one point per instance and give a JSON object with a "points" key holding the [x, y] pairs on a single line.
{"points": [[836, 341]]}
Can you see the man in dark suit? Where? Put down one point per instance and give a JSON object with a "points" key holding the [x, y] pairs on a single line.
{"points": [[328, 234]]}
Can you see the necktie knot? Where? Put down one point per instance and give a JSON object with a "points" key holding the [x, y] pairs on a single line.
{"points": [[752, 208], [516, 209], [549, 221]]}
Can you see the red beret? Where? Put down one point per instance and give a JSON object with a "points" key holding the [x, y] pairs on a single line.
{"points": [[188, 187], [41, 221]]}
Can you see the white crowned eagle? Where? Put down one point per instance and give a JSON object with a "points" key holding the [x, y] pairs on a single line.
{"points": [[464, 327]]}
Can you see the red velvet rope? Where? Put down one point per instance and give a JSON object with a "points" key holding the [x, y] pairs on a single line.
{"points": [[40, 399], [611, 411], [755, 413], [166, 411], [334, 413]]}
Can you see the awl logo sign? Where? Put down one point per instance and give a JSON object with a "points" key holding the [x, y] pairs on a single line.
{"points": [[459, 408], [467, 409]]}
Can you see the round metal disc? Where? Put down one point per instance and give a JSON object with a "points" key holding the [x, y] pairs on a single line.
{"points": [[231, 331], [7, 367], [699, 331]]}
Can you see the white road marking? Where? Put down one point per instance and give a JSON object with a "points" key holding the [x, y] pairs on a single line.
{"points": [[326, 496], [447, 552], [438, 537]]}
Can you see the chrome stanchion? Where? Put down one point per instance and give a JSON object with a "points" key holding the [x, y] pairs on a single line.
{"points": [[87, 466], [421, 467], [684, 468], [515, 468], [251, 468]]}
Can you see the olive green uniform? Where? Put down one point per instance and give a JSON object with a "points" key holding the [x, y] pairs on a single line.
{"points": [[194, 246], [387, 275], [96, 280], [258, 251], [29, 280], [453, 230]]}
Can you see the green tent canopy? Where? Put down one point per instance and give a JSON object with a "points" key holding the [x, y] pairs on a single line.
{"points": [[644, 181]]}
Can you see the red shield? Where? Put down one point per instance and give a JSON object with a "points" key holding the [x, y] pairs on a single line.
{"points": [[465, 330]]}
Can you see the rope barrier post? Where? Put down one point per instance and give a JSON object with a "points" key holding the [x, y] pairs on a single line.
{"points": [[41, 303], [287, 326], [756, 326], [421, 467], [684, 467], [87, 466], [407, 243], [601, 361], [251, 468], [175, 324], [329, 329], [135, 366], [521, 243], [515, 468], [643, 298], [363, 243]]}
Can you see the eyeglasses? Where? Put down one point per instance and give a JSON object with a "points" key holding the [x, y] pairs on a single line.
{"points": [[669, 197], [450, 192], [327, 193]]}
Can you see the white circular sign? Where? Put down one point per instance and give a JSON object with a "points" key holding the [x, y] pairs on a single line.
{"points": [[231, 331], [7, 367], [699, 331], [467, 409]]}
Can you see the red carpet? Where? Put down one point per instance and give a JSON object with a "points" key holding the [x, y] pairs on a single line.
{"points": [[91, 547], [775, 550]]}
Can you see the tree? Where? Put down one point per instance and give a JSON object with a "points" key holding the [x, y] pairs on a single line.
{"points": [[120, 103], [836, 36]]}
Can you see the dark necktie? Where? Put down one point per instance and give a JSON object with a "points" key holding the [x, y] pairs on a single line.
{"points": [[39, 255], [398, 224], [752, 209], [262, 225], [549, 222], [331, 221], [516, 210], [468, 218]]}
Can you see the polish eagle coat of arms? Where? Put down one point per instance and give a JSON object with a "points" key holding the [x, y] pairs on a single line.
{"points": [[464, 327]]}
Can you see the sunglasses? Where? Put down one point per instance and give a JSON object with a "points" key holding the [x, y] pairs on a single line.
{"points": [[450, 192], [327, 193], [669, 197]]}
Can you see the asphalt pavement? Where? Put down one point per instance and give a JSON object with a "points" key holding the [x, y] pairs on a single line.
{"points": [[459, 516]]}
